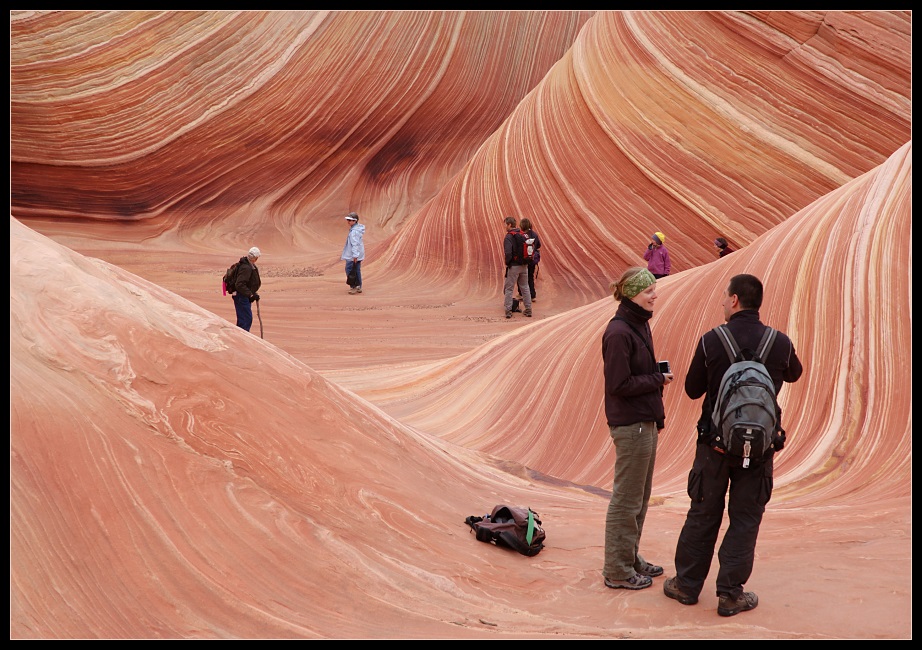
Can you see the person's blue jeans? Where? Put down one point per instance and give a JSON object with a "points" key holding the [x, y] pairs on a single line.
{"points": [[244, 311], [358, 272]]}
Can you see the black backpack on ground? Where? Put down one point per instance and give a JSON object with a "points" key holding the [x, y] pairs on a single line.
{"points": [[510, 526]]}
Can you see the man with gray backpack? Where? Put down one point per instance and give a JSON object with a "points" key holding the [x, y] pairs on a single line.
{"points": [[739, 368]]}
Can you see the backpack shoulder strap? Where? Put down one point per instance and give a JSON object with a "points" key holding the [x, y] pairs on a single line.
{"points": [[729, 343], [530, 532], [765, 346]]}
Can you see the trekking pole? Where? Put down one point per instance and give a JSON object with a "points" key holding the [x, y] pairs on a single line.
{"points": [[260, 320]]}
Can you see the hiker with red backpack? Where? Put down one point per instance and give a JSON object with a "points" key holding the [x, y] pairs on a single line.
{"points": [[514, 245], [534, 257]]}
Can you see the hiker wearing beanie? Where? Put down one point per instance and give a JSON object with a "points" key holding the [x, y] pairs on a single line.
{"points": [[657, 256], [245, 288], [354, 253], [635, 414], [722, 247]]}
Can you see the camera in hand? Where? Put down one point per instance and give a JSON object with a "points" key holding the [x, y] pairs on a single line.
{"points": [[664, 367]]}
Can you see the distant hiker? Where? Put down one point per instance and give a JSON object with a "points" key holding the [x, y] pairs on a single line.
{"points": [[516, 267], [245, 288], [657, 256], [722, 247], [525, 226], [354, 253]]}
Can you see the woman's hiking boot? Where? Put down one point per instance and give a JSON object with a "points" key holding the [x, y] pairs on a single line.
{"points": [[647, 569], [636, 581]]}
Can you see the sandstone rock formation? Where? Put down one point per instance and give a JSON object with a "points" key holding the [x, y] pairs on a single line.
{"points": [[172, 476]]}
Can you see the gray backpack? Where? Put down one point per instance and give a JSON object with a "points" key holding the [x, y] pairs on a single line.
{"points": [[745, 416]]}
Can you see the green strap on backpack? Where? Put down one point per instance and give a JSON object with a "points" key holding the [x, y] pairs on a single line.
{"points": [[530, 533]]}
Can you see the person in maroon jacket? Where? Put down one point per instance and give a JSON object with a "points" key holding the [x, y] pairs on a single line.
{"points": [[723, 248], [714, 472], [635, 414]]}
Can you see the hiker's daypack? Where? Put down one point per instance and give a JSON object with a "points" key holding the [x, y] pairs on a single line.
{"points": [[510, 526], [230, 278], [530, 250], [520, 245], [745, 416]]}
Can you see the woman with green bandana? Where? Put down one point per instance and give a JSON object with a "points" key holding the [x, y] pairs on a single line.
{"points": [[635, 413]]}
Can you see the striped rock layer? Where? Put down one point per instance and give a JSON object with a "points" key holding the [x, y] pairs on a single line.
{"points": [[173, 476]]}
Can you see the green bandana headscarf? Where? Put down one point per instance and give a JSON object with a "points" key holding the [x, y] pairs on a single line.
{"points": [[637, 283]]}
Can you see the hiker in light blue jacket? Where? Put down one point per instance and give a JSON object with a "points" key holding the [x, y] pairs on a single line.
{"points": [[354, 252]]}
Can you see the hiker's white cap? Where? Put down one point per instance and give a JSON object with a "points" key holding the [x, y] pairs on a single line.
{"points": [[352, 216], [253, 252]]}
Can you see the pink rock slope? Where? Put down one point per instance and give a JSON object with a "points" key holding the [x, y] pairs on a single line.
{"points": [[173, 476]]}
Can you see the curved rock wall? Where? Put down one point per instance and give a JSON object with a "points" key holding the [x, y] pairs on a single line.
{"points": [[172, 476]]}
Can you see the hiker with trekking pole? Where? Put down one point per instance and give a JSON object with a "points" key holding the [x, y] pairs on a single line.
{"points": [[242, 281]]}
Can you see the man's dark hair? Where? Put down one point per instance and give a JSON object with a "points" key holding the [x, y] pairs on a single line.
{"points": [[748, 289], [721, 242], [510, 221]]}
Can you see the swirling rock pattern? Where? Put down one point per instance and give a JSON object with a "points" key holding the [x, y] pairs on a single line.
{"points": [[172, 476]]}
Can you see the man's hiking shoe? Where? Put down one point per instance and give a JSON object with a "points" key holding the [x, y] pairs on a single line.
{"points": [[728, 606], [671, 589], [528, 313], [635, 582], [358, 289], [353, 291], [508, 314], [647, 569]]}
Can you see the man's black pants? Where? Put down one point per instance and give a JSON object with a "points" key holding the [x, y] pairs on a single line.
{"points": [[750, 490]]}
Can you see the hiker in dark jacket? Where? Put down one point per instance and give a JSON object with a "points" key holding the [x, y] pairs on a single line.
{"points": [[723, 248], [635, 413], [516, 269], [525, 226], [713, 472], [245, 288]]}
